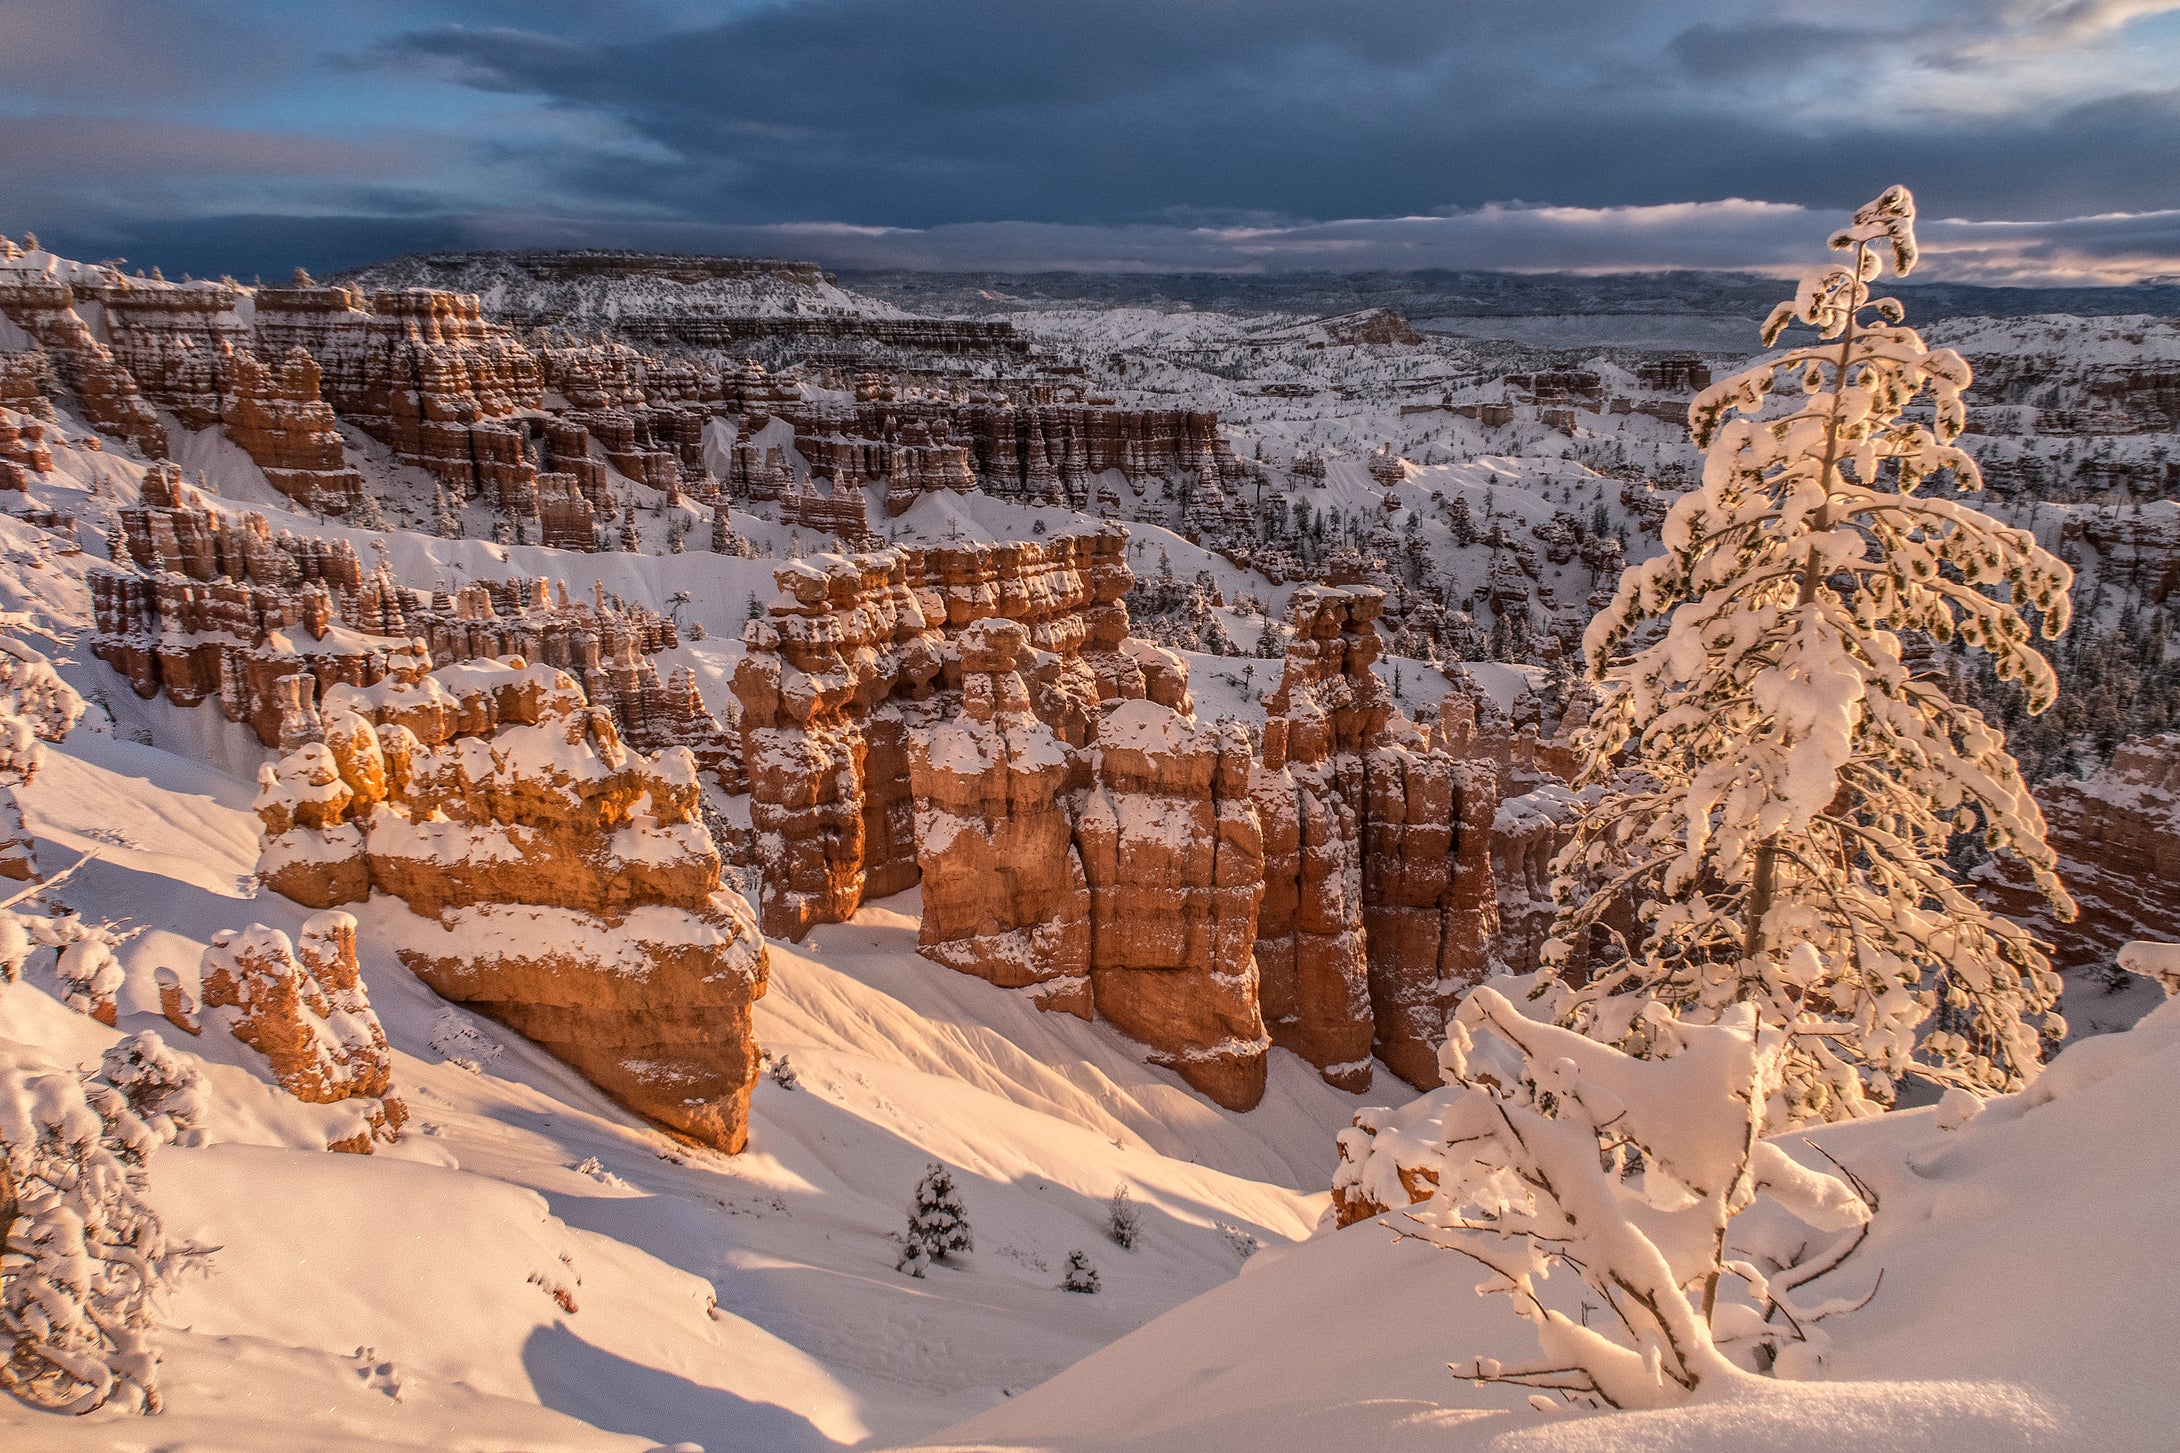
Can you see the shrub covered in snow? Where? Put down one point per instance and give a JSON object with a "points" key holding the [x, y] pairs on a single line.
{"points": [[1081, 1275], [32, 693], [937, 1224], [1782, 839], [1552, 1150], [159, 1084], [85, 1257], [1123, 1218]]}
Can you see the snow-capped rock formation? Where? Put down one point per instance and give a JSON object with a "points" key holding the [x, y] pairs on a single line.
{"points": [[1079, 833], [1310, 936], [1371, 927], [289, 432], [420, 371], [301, 1003], [554, 880], [1004, 894], [36, 300], [845, 641], [1173, 853], [200, 605], [2117, 836]]}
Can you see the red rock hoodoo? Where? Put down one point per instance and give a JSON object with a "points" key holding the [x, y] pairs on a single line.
{"points": [[554, 880], [302, 1005]]}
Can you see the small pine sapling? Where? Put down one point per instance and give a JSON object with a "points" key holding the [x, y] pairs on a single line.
{"points": [[1081, 1275], [937, 1224], [1780, 783], [1123, 1218]]}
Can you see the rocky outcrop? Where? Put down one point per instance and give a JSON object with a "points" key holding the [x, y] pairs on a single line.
{"points": [[290, 433], [555, 881], [27, 383], [1309, 790], [1522, 812], [2117, 836], [1389, 1158], [200, 605], [23, 450], [420, 371], [1004, 893], [1173, 853], [302, 1005], [108, 396], [846, 640], [699, 302]]}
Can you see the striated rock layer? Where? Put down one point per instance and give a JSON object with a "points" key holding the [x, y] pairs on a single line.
{"points": [[198, 606], [1004, 893], [554, 879], [302, 1005], [1174, 856], [2117, 836]]}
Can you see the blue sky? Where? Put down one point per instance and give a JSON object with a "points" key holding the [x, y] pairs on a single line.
{"points": [[2042, 136]]}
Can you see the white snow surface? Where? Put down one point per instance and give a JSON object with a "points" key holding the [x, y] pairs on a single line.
{"points": [[2026, 1303], [407, 1300]]}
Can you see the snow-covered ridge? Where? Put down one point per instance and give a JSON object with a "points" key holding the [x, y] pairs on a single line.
{"points": [[592, 288]]}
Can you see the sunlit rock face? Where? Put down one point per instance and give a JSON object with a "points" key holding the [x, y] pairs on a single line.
{"points": [[2117, 836], [553, 879], [302, 1005], [1004, 893]]}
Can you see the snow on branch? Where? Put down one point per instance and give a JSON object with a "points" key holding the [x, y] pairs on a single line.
{"points": [[1782, 781], [1554, 1151]]}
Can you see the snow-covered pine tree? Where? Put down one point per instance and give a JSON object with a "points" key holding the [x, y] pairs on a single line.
{"points": [[1081, 1275], [85, 1256], [937, 1223], [445, 523], [1781, 838]]}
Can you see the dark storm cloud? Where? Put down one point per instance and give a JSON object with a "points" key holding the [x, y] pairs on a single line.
{"points": [[876, 111], [1130, 130]]}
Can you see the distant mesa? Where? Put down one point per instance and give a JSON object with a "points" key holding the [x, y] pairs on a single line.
{"points": [[682, 300]]}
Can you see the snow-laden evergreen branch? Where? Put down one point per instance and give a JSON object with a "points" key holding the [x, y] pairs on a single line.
{"points": [[1626, 1171], [1782, 780]]}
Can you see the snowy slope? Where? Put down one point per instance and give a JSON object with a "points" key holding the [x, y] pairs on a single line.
{"points": [[2028, 1301], [442, 1255]]}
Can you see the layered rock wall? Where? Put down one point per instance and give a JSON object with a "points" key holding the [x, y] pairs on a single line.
{"points": [[2117, 836], [1004, 892], [198, 605], [554, 880], [104, 389], [845, 640], [1173, 852], [420, 371]]}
